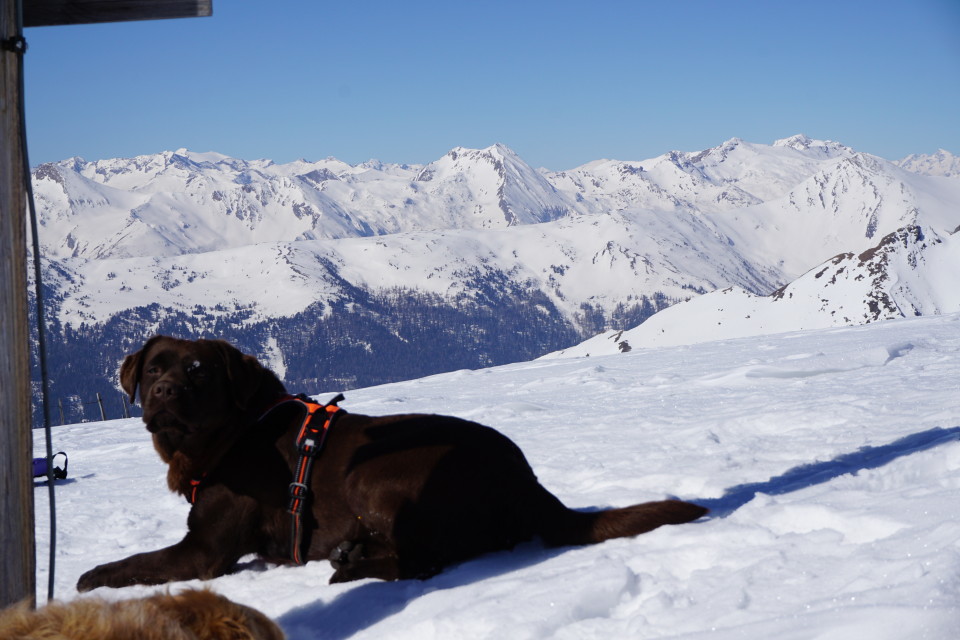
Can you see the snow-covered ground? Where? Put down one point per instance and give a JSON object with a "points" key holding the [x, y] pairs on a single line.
{"points": [[830, 458]]}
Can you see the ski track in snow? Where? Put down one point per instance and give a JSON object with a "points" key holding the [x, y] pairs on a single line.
{"points": [[830, 459]]}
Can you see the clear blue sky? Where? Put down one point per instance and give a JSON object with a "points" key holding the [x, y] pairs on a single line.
{"points": [[562, 83]]}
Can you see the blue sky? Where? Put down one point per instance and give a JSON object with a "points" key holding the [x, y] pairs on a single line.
{"points": [[562, 83]]}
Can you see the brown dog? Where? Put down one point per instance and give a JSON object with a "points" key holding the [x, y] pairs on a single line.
{"points": [[393, 497], [190, 615]]}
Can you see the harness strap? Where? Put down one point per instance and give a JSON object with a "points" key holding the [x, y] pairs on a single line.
{"points": [[310, 439], [195, 488]]}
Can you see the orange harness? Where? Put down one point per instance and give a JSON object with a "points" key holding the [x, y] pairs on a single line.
{"points": [[310, 439], [309, 442]]}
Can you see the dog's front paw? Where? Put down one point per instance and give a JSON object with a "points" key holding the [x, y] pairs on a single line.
{"points": [[106, 575], [346, 553], [92, 579]]}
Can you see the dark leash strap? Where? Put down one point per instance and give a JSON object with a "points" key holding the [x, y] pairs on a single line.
{"points": [[317, 420]]}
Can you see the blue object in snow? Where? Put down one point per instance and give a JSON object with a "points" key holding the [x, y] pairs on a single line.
{"points": [[41, 465]]}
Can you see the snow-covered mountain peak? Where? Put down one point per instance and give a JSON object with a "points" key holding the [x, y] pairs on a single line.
{"points": [[714, 155], [942, 163], [737, 174], [799, 141], [822, 148], [501, 188], [461, 160], [209, 157]]}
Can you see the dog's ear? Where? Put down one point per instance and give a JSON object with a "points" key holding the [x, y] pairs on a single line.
{"points": [[131, 371], [246, 376]]}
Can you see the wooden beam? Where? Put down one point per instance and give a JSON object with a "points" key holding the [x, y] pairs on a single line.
{"points": [[46, 13], [18, 548], [17, 555]]}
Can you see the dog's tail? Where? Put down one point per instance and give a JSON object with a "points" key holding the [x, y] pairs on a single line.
{"points": [[568, 527]]}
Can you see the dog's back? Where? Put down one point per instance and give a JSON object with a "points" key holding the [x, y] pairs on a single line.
{"points": [[436, 490]]}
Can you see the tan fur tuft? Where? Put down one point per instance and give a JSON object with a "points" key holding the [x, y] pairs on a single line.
{"points": [[190, 615]]}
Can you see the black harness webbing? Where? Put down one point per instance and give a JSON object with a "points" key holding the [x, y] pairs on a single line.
{"points": [[317, 420]]}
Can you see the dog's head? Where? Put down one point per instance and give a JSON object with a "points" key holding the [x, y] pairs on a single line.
{"points": [[191, 390]]}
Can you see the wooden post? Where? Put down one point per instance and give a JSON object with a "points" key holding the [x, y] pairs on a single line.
{"points": [[45, 13], [103, 414], [18, 558], [17, 546]]}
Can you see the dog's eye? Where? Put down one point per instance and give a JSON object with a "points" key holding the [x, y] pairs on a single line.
{"points": [[196, 370], [152, 371]]}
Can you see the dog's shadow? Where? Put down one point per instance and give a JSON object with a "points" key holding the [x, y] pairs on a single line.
{"points": [[815, 473], [371, 602]]}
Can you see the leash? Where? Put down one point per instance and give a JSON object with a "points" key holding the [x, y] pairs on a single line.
{"points": [[310, 439], [17, 45]]}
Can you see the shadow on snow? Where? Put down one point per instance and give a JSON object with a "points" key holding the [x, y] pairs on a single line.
{"points": [[815, 473], [371, 602]]}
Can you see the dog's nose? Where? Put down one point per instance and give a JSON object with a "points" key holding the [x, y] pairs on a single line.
{"points": [[165, 389]]}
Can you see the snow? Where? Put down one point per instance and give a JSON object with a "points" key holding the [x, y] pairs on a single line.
{"points": [[830, 459], [941, 163]]}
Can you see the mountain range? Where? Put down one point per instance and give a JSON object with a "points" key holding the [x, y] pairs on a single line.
{"points": [[341, 275]]}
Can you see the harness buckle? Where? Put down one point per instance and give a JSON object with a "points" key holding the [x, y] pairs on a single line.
{"points": [[298, 490], [298, 498], [308, 447]]}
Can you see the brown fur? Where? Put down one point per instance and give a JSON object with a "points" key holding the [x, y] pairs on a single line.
{"points": [[190, 615], [398, 496]]}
